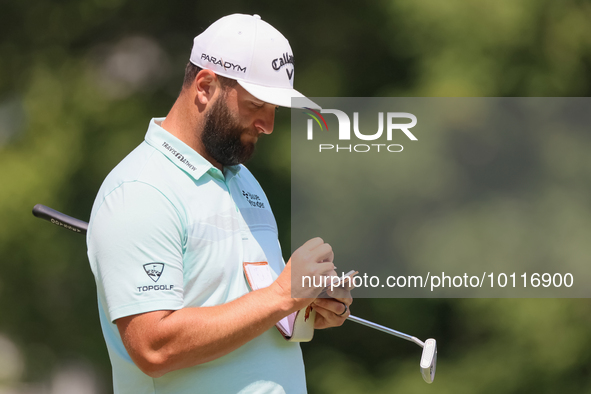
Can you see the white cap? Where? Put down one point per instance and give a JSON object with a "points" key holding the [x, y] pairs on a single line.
{"points": [[251, 51]]}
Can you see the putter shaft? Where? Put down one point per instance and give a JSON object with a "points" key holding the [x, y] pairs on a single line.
{"points": [[386, 330]]}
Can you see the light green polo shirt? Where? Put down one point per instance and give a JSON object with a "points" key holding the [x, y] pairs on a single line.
{"points": [[167, 231]]}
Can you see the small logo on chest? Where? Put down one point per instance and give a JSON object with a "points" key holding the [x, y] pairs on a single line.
{"points": [[253, 199]]}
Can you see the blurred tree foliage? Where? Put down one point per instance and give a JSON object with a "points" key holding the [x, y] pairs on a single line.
{"points": [[80, 79]]}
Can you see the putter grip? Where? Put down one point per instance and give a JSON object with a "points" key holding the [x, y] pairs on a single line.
{"points": [[60, 219]]}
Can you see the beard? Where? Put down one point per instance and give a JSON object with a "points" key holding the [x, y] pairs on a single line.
{"points": [[222, 134]]}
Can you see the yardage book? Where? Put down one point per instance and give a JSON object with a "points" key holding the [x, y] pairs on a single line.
{"points": [[296, 327]]}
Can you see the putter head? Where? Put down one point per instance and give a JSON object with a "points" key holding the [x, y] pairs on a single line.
{"points": [[429, 360]]}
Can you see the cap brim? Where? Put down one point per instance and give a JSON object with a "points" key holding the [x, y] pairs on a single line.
{"points": [[279, 96]]}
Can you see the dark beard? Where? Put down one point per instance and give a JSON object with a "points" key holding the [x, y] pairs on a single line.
{"points": [[221, 136]]}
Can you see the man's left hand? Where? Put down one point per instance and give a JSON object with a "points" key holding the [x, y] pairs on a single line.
{"points": [[332, 312]]}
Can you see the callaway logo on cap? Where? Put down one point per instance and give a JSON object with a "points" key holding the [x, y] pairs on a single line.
{"points": [[251, 51]]}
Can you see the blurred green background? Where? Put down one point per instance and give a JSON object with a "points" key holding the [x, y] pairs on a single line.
{"points": [[79, 81]]}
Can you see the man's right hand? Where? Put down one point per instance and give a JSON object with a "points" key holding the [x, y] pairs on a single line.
{"points": [[314, 259]]}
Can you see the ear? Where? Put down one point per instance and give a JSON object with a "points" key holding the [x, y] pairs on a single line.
{"points": [[205, 85]]}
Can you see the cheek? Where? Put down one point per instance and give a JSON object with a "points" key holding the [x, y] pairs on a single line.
{"points": [[240, 121]]}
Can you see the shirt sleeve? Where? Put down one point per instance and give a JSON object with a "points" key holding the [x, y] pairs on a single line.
{"points": [[136, 242]]}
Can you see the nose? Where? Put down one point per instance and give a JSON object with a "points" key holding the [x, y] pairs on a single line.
{"points": [[265, 119]]}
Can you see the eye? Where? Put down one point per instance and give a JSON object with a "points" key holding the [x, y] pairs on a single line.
{"points": [[257, 105]]}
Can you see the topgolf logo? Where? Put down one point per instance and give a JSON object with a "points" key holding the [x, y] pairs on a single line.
{"points": [[394, 124]]}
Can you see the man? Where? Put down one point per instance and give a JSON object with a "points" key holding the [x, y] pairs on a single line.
{"points": [[175, 221]]}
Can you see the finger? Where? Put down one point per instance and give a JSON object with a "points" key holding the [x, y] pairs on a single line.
{"points": [[341, 294], [328, 253], [313, 243], [332, 305], [328, 318], [320, 322], [322, 252], [328, 315], [326, 269]]}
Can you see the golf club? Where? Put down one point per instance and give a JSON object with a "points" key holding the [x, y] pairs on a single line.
{"points": [[60, 219], [429, 356]]}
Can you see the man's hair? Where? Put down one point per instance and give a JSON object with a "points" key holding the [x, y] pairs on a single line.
{"points": [[191, 72]]}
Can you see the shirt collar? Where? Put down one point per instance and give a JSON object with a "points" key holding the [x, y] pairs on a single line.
{"points": [[182, 155]]}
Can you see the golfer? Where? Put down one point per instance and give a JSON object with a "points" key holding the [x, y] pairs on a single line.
{"points": [[177, 222]]}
